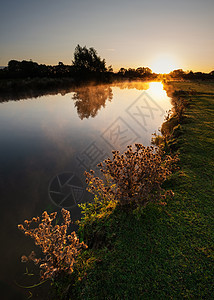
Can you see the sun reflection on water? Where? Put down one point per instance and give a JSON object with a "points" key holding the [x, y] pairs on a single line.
{"points": [[156, 91]]}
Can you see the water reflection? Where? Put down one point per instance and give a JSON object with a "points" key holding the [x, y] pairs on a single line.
{"points": [[90, 99], [156, 91], [70, 130], [138, 85], [98, 91], [28, 93]]}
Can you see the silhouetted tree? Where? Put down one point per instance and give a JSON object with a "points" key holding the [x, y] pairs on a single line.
{"points": [[110, 69], [87, 60], [177, 74], [122, 71], [143, 71], [190, 75], [14, 68]]}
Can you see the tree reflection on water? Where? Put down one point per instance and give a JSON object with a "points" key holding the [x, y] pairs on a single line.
{"points": [[90, 99]]}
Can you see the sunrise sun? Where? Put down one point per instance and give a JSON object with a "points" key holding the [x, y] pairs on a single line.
{"points": [[164, 64]]}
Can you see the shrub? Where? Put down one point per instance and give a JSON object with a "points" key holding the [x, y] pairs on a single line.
{"points": [[60, 249], [134, 177], [180, 102], [168, 125]]}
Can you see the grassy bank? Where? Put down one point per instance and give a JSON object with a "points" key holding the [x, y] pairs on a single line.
{"points": [[164, 252]]}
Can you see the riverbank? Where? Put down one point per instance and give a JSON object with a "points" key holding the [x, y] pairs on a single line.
{"points": [[165, 251]]}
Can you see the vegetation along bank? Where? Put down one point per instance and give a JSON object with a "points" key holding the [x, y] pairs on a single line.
{"points": [[156, 246]]}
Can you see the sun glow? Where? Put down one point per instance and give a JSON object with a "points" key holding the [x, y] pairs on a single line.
{"points": [[156, 90], [164, 64]]}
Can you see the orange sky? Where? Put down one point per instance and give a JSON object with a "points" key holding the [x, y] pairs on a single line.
{"points": [[125, 33]]}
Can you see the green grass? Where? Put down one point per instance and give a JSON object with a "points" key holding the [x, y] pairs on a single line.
{"points": [[166, 252], [206, 87]]}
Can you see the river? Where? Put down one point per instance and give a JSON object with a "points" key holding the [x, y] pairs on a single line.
{"points": [[46, 144]]}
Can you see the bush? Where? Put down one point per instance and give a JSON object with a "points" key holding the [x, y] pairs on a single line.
{"points": [[134, 177], [60, 249]]}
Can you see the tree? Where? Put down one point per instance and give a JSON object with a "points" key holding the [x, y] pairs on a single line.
{"points": [[177, 73], [87, 60], [110, 69], [14, 66], [122, 71], [23, 68], [144, 71]]}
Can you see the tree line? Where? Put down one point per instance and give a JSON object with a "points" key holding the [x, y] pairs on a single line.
{"points": [[87, 64], [190, 75]]}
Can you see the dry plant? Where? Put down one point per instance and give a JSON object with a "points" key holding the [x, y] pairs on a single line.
{"points": [[60, 249], [134, 177], [180, 100]]}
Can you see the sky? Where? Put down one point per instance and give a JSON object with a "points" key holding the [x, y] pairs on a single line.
{"points": [[133, 34]]}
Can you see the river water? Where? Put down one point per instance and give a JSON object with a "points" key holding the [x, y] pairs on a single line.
{"points": [[46, 144]]}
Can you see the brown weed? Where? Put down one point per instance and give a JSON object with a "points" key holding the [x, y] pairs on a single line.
{"points": [[60, 250], [134, 177]]}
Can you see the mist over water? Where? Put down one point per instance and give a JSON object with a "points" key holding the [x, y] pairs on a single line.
{"points": [[49, 141]]}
